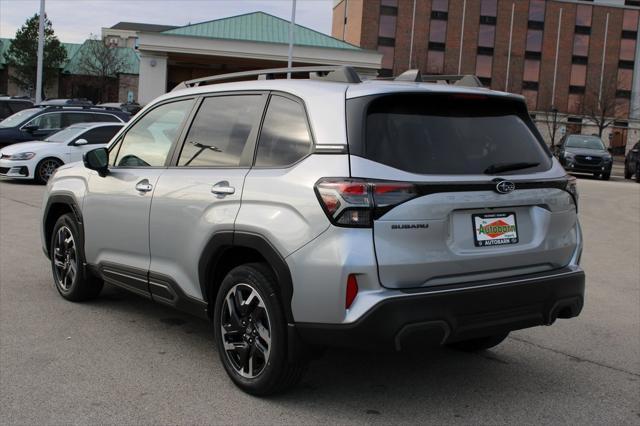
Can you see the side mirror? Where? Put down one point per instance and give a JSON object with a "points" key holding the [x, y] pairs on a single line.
{"points": [[31, 128], [610, 149], [80, 142], [98, 160]]}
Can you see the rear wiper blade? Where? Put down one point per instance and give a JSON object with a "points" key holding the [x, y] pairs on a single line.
{"points": [[507, 167]]}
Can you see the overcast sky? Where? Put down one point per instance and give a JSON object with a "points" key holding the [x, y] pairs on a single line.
{"points": [[74, 20]]}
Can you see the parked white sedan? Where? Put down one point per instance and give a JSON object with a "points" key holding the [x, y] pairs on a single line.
{"points": [[38, 160]]}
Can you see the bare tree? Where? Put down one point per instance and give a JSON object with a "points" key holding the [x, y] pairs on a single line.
{"points": [[601, 106], [552, 123], [101, 61]]}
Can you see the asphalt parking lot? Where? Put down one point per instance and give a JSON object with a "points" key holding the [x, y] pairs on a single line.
{"points": [[122, 360]]}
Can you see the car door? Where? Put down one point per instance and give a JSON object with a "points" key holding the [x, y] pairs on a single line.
{"points": [[116, 206], [199, 195], [96, 137]]}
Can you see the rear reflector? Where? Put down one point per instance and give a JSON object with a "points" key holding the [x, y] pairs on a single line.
{"points": [[352, 290]]}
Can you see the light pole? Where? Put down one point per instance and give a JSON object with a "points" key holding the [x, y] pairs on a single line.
{"points": [[554, 110], [291, 32], [40, 53]]}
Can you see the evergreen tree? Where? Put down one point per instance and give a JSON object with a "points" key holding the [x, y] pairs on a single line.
{"points": [[23, 53]]}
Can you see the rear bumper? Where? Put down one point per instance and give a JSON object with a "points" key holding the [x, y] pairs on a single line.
{"points": [[455, 313]]}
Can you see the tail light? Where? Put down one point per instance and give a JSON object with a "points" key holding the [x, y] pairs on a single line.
{"points": [[572, 188], [357, 202], [352, 290]]}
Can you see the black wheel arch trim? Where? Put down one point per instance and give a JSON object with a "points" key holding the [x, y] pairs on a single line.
{"points": [[223, 240], [69, 201]]}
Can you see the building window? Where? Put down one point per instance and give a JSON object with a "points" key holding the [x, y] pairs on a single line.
{"points": [[536, 11], [630, 20], [483, 66], [390, 3], [625, 79], [387, 26], [438, 31], [578, 75], [488, 8], [531, 97], [575, 103], [440, 5], [581, 45], [435, 62], [534, 41], [531, 70], [583, 15], [387, 56], [486, 35], [627, 49]]}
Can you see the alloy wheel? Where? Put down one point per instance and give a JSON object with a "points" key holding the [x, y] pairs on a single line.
{"points": [[246, 331], [46, 169], [65, 258]]}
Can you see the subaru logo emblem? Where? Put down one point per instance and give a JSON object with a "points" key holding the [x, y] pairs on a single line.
{"points": [[588, 157], [505, 187]]}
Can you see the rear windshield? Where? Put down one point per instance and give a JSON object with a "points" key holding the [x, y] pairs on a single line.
{"points": [[450, 134]]}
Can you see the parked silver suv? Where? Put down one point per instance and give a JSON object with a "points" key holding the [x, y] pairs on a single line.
{"points": [[300, 213]]}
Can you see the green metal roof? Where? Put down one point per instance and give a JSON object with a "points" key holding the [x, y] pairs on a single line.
{"points": [[131, 64], [72, 49], [259, 27]]}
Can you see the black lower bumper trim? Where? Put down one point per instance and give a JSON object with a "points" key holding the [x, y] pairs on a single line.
{"points": [[445, 317]]}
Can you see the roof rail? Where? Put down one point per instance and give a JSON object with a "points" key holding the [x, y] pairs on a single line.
{"points": [[455, 79], [341, 74]]}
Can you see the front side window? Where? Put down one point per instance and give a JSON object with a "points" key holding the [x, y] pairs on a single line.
{"points": [[285, 137], [148, 141], [69, 118], [220, 131], [49, 121]]}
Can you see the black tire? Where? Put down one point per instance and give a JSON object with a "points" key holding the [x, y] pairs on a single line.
{"points": [[627, 172], [605, 176], [637, 171], [479, 344], [253, 329], [596, 175], [45, 169], [66, 248]]}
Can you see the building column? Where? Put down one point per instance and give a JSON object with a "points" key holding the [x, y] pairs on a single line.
{"points": [[153, 76]]}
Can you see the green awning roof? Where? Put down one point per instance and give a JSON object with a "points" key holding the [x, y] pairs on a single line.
{"points": [[71, 48], [131, 60], [259, 27]]}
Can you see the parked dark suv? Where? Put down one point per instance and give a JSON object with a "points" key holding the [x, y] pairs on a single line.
{"points": [[585, 154], [9, 105], [39, 122], [631, 163]]}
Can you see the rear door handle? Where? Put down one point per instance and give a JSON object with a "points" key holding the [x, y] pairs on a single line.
{"points": [[144, 186], [222, 188]]}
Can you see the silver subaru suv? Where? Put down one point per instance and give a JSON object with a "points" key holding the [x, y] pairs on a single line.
{"points": [[324, 210]]}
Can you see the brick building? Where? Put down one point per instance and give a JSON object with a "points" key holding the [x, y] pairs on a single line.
{"points": [[568, 58]]}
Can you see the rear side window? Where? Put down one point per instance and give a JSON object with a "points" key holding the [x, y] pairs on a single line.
{"points": [[220, 131], [100, 135], [448, 134], [285, 137], [69, 118]]}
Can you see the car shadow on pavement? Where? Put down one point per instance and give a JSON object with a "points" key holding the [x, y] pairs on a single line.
{"points": [[373, 383]]}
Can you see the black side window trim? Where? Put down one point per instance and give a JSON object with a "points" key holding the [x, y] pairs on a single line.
{"points": [[312, 140], [117, 143]]}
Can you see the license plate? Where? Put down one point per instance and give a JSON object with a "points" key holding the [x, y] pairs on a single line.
{"points": [[494, 229]]}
